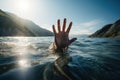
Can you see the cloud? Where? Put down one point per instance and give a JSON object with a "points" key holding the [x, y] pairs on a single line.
{"points": [[80, 32], [82, 28], [90, 23], [86, 27]]}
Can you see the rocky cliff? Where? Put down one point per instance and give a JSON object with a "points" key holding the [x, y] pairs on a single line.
{"points": [[12, 25], [110, 30]]}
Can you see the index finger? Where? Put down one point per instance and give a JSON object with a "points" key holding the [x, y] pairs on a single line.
{"points": [[69, 27]]}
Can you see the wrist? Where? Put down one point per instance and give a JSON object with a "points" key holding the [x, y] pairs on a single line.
{"points": [[58, 50], [61, 50]]}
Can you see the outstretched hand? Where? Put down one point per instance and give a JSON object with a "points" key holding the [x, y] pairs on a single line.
{"points": [[62, 36]]}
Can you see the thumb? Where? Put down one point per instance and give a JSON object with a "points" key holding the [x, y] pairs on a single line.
{"points": [[72, 40]]}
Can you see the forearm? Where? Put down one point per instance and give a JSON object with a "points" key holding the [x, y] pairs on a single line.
{"points": [[63, 59]]}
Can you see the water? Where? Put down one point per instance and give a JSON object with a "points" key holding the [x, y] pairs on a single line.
{"points": [[92, 59]]}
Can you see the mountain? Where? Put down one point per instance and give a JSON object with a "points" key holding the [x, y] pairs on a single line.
{"points": [[12, 25], [110, 30]]}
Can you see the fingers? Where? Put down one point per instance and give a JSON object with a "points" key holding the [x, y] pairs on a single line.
{"points": [[54, 29], [59, 25], [69, 27], [72, 40], [64, 24]]}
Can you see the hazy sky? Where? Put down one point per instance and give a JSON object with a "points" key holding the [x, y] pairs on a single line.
{"points": [[87, 15]]}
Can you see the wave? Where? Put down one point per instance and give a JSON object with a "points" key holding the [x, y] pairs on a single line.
{"points": [[92, 58]]}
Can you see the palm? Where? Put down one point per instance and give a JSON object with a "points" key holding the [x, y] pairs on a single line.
{"points": [[62, 37]]}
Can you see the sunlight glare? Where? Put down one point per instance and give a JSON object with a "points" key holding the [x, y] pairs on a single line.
{"points": [[23, 7], [23, 63]]}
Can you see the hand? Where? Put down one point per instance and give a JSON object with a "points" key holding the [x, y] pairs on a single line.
{"points": [[62, 37]]}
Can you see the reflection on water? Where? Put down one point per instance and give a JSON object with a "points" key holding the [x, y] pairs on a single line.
{"points": [[24, 51], [20, 48], [90, 58], [23, 63]]}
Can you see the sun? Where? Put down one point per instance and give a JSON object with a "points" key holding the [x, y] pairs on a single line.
{"points": [[24, 8], [23, 5]]}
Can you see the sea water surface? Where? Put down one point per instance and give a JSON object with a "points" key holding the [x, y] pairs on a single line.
{"points": [[92, 58]]}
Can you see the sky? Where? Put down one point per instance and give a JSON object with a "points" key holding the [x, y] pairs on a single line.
{"points": [[87, 15]]}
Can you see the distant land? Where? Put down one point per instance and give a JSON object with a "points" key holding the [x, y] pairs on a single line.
{"points": [[109, 30], [12, 25]]}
